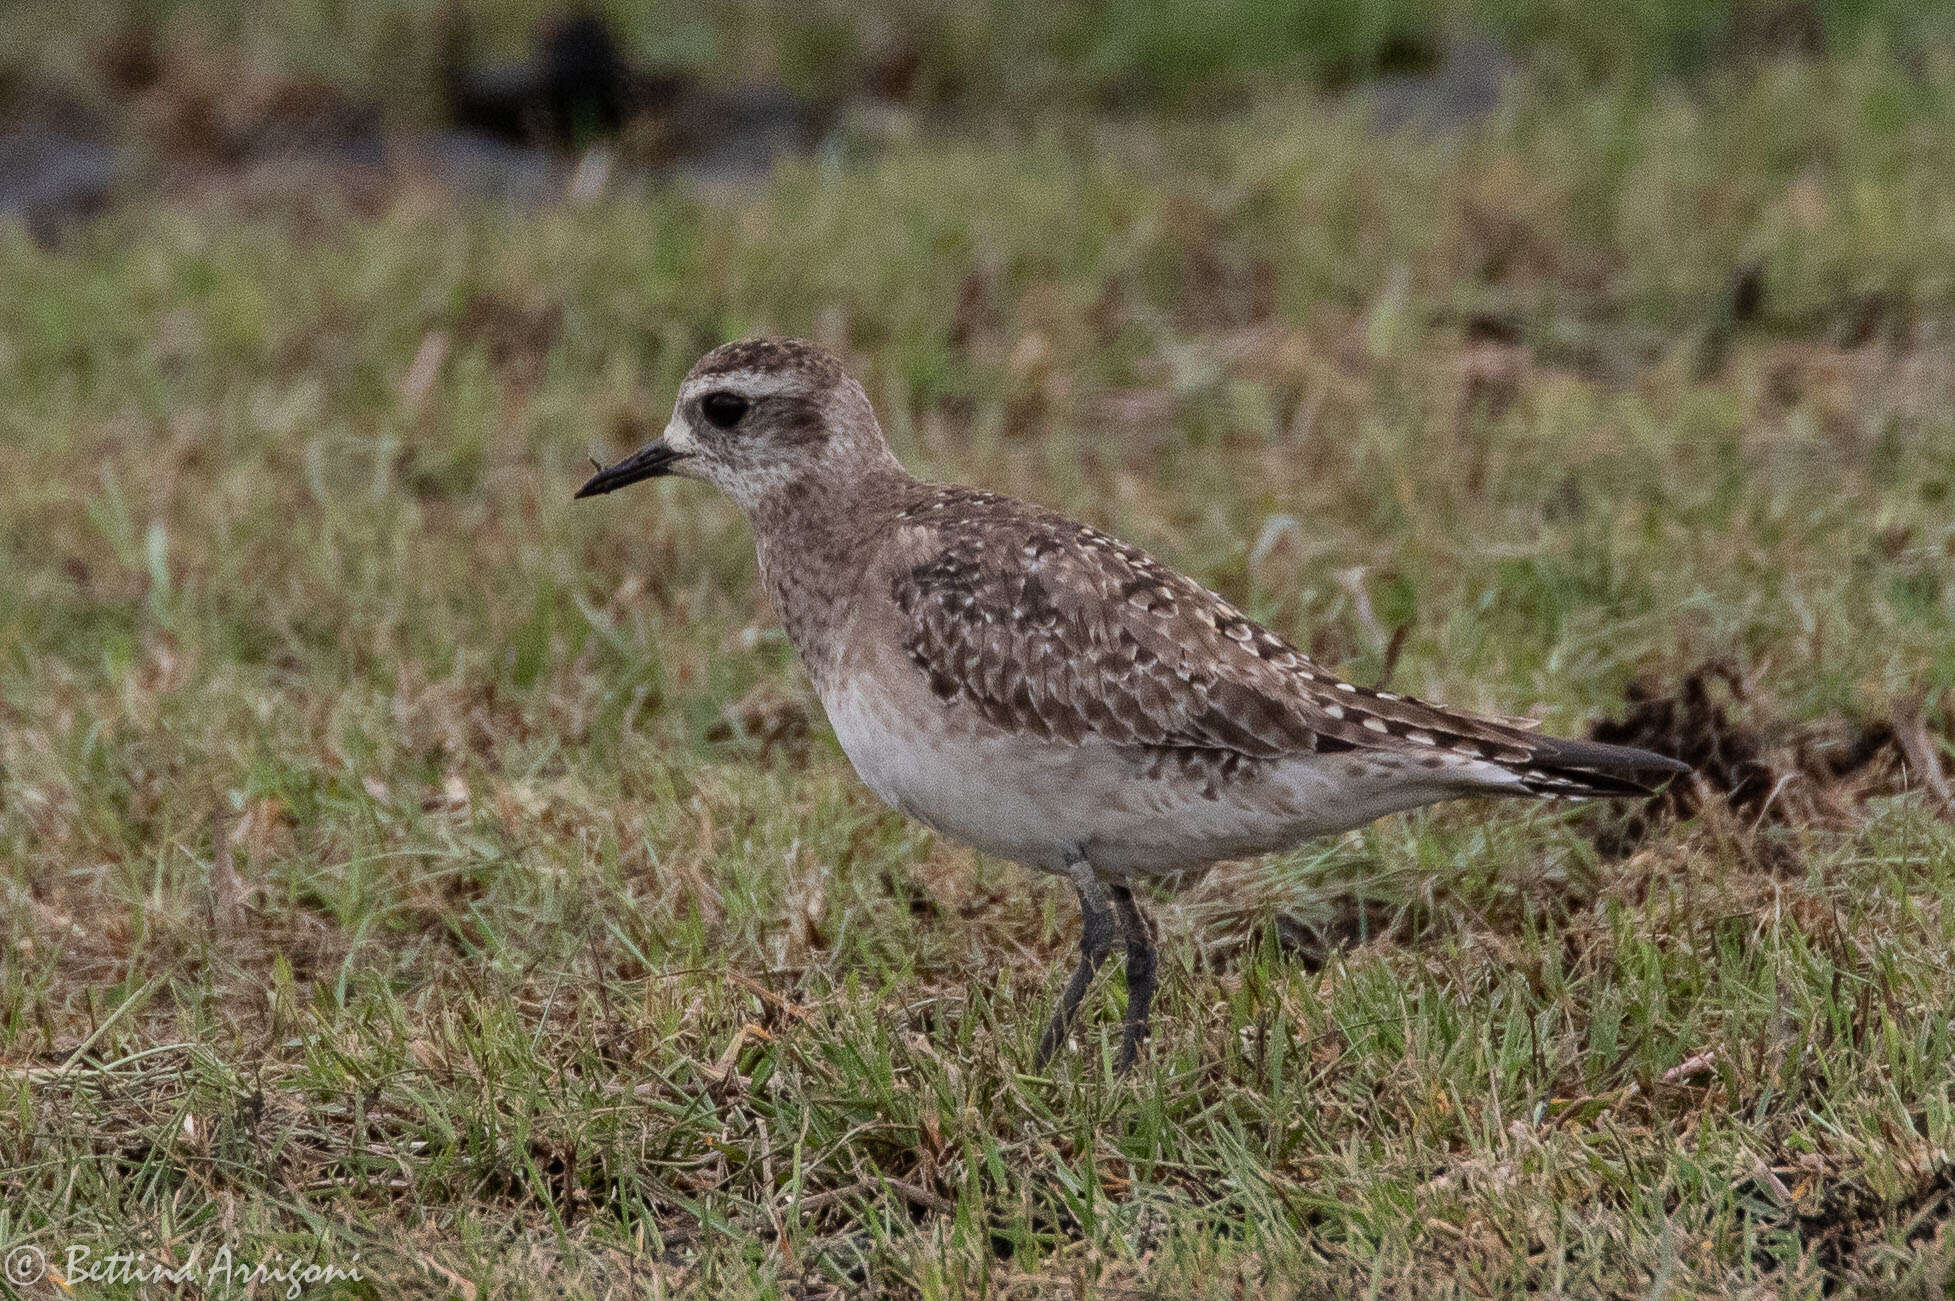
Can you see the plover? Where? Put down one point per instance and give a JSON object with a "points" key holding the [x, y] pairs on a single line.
{"points": [[1048, 694]]}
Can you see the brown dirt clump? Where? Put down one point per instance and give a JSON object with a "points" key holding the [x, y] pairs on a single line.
{"points": [[1761, 770], [1841, 1217]]}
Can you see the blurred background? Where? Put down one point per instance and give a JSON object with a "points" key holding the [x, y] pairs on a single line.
{"points": [[397, 857], [491, 99]]}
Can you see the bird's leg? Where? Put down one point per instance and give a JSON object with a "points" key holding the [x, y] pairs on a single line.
{"points": [[1096, 938], [1140, 975]]}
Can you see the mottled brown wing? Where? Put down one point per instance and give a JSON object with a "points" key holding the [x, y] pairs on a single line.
{"points": [[1066, 637], [1050, 627]]}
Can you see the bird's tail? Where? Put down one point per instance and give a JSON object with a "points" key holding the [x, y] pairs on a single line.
{"points": [[1559, 767]]}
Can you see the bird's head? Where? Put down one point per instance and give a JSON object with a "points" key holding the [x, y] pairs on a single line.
{"points": [[756, 416]]}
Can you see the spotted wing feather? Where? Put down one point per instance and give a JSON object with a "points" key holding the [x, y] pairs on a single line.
{"points": [[1052, 628]]}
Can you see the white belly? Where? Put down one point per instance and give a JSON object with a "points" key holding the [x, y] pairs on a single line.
{"points": [[1036, 802], [974, 788]]}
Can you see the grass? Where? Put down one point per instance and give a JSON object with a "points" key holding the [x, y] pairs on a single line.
{"points": [[406, 866], [1012, 58]]}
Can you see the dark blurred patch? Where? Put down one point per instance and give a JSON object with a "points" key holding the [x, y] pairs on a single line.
{"points": [[1493, 327], [737, 133], [1764, 771], [1439, 89], [209, 108], [1743, 302], [202, 121], [199, 121], [895, 72], [1776, 29], [51, 177], [1880, 316], [305, 115], [578, 88], [1746, 297], [56, 164], [575, 88], [1834, 1222], [913, 898], [129, 61]]}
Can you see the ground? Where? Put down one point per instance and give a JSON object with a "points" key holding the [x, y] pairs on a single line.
{"points": [[409, 868]]}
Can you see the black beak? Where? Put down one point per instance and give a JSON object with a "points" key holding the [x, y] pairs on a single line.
{"points": [[648, 462]]}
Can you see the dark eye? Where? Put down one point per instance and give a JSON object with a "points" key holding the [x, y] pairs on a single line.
{"points": [[722, 409]]}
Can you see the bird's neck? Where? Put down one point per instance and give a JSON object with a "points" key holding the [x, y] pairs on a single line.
{"points": [[815, 537]]}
